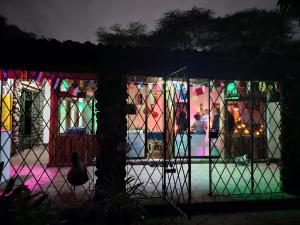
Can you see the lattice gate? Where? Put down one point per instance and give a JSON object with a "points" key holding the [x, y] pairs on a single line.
{"points": [[44, 118], [245, 133], [159, 156]]}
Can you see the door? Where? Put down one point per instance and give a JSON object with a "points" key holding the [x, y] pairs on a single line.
{"points": [[177, 157]]}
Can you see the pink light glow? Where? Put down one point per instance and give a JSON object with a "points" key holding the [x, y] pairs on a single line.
{"points": [[36, 174]]}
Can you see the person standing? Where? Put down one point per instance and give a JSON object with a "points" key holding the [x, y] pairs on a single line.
{"points": [[199, 127]]}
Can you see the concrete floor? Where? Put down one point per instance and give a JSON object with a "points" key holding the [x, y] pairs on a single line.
{"points": [[226, 179], [52, 180]]}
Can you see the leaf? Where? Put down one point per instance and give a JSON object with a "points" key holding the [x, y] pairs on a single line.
{"points": [[10, 185]]}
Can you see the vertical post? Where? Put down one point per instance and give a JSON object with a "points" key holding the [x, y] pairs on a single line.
{"points": [[189, 145], [290, 136], [146, 118], [209, 142], [165, 135], [252, 138], [1, 124], [53, 129]]}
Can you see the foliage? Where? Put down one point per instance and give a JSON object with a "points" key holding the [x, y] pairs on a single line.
{"points": [[291, 7], [134, 34], [117, 206], [9, 32], [249, 31], [252, 30], [19, 206], [190, 29]]}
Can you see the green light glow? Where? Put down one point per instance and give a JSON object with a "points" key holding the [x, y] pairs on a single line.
{"points": [[231, 87]]}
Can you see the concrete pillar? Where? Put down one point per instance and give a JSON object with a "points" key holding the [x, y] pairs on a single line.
{"points": [[111, 105], [290, 136]]}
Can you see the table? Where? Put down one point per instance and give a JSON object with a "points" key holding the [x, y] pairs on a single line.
{"points": [[86, 145]]}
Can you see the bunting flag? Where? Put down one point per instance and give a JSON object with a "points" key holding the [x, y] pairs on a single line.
{"points": [[131, 85], [39, 77], [152, 99], [89, 91], [55, 83], [24, 76], [262, 86], [74, 89], [140, 85], [93, 83], [183, 94], [4, 74]]}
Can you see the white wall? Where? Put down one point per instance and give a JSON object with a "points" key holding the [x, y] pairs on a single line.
{"points": [[46, 113]]}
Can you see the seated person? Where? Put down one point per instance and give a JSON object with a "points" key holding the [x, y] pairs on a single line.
{"points": [[199, 126]]}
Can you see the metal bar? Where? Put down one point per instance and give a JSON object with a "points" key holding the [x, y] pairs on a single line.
{"points": [[146, 119], [252, 139], [209, 143], [1, 124], [165, 137], [189, 146]]}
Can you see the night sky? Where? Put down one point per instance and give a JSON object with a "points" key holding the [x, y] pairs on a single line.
{"points": [[79, 19]]}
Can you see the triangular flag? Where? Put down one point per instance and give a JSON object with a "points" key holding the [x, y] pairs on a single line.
{"points": [[74, 89], [93, 83], [55, 83], [39, 77], [183, 94], [4, 74], [24, 76], [89, 91]]}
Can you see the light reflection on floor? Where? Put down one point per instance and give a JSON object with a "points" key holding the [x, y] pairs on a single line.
{"points": [[52, 180]]}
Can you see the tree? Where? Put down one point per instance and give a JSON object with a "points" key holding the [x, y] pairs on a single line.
{"points": [[9, 32], [190, 29], [248, 31], [135, 34], [252, 30], [291, 7]]}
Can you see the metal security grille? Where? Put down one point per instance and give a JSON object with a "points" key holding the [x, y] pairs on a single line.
{"points": [[145, 124], [158, 134], [177, 156], [44, 118], [245, 148]]}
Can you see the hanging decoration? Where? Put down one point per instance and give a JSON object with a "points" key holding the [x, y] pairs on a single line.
{"points": [[55, 83], [89, 91], [231, 90], [131, 85], [183, 94], [211, 85], [4, 74], [140, 85], [152, 99], [74, 89], [262, 86], [93, 83], [154, 114], [24, 76], [39, 77], [199, 89]]}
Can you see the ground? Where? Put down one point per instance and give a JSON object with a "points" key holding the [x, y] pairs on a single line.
{"points": [[278, 217]]}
